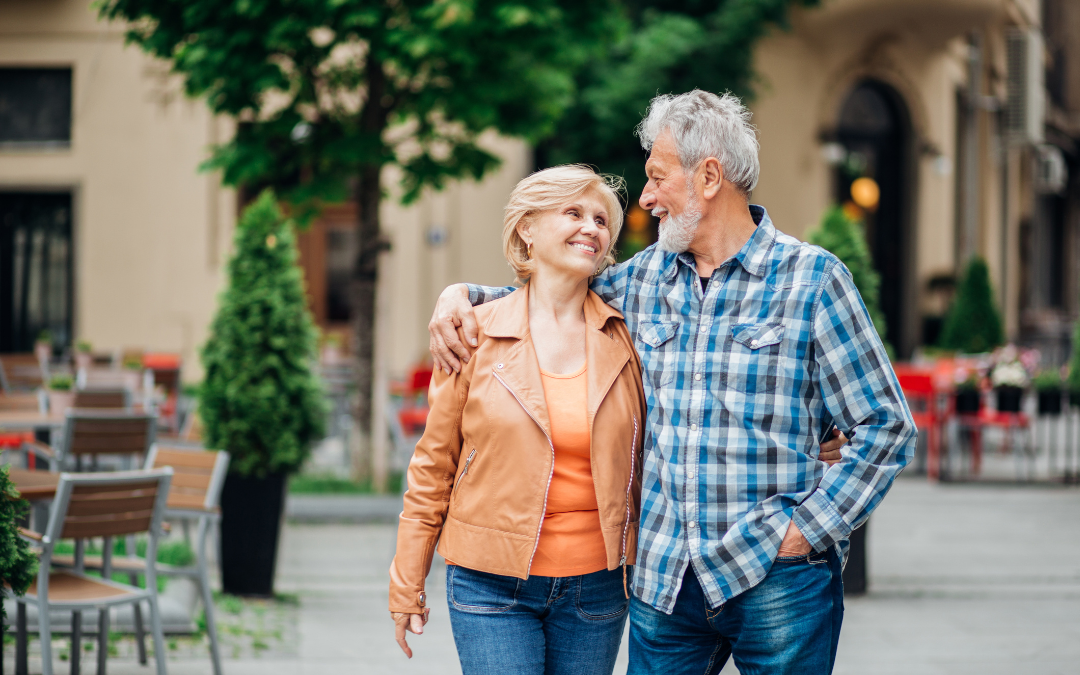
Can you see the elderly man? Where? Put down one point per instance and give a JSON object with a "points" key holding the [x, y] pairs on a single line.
{"points": [[754, 345]]}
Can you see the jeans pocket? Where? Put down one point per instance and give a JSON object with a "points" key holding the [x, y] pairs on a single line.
{"points": [[600, 595], [480, 592]]}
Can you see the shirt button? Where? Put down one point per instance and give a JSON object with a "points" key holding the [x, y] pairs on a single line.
{"points": [[754, 344], [691, 473], [499, 366], [704, 329], [692, 525], [697, 376], [693, 427]]}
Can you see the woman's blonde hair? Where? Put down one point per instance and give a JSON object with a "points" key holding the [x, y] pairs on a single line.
{"points": [[549, 189]]}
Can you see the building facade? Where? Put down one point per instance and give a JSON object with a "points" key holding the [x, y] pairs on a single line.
{"points": [[964, 115], [110, 233]]}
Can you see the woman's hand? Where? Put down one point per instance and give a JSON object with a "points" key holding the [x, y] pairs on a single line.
{"points": [[414, 623], [830, 449]]}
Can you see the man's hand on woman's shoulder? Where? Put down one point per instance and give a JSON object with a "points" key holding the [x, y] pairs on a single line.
{"points": [[453, 323]]}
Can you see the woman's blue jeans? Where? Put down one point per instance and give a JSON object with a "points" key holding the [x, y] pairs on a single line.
{"points": [[538, 626], [789, 624]]}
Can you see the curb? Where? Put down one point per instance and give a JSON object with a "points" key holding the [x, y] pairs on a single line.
{"points": [[342, 508]]}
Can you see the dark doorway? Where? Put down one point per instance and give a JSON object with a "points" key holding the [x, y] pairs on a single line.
{"points": [[35, 269], [875, 131]]}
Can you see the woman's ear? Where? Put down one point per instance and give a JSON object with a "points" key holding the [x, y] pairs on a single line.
{"points": [[523, 231]]}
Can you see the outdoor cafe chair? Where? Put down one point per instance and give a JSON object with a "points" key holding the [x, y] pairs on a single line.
{"points": [[22, 372], [194, 498], [88, 506], [92, 433], [103, 398]]}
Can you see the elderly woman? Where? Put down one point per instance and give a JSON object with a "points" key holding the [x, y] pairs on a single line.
{"points": [[527, 475]]}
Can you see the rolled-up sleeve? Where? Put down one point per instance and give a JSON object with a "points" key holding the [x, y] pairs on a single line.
{"points": [[860, 389]]}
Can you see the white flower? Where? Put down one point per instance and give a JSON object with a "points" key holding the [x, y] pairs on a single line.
{"points": [[1009, 374]]}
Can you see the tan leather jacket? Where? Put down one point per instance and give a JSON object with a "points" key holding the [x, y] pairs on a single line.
{"points": [[479, 478]]}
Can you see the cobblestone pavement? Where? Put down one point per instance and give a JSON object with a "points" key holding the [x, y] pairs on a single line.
{"points": [[964, 579]]}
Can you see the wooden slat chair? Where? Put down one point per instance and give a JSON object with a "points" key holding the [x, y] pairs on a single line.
{"points": [[89, 433], [195, 495], [88, 506], [103, 398], [21, 372]]}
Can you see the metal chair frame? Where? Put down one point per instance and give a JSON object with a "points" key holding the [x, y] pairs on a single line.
{"points": [[58, 517]]}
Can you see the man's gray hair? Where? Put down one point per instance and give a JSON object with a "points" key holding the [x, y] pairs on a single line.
{"points": [[705, 125]]}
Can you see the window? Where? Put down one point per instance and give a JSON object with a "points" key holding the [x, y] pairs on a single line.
{"points": [[35, 268], [35, 107]]}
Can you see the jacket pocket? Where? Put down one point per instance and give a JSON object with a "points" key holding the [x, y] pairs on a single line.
{"points": [[758, 336]]}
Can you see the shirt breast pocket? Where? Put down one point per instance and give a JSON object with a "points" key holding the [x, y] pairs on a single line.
{"points": [[754, 358], [656, 344]]}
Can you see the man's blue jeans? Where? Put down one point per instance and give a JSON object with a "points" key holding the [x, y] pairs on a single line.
{"points": [[538, 626], [786, 625]]}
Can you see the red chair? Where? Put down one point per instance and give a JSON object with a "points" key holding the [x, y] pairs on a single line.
{"points": [[922, 397]]}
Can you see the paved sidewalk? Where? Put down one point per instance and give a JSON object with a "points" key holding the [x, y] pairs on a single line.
{"points": [[964, 579]]}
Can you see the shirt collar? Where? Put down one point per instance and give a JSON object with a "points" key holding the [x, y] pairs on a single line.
{"points": [[754, 254]]}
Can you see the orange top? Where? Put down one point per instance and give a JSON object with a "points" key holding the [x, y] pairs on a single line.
{"points": [[571, 542]]}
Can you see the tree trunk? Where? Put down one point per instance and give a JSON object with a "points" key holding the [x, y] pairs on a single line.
{"points": [[368, 194], [365, 281]]}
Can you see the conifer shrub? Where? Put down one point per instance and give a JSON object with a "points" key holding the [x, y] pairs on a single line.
{"points": [[973, 325], [18, 565], [1072, 382], [843, 237], [261, 399]]}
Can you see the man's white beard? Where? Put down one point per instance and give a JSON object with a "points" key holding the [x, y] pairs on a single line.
{"points": [[678, 231]]}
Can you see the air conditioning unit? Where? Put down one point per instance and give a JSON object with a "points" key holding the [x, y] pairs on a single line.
{"points": [[1051, 172], [1025, 92]]}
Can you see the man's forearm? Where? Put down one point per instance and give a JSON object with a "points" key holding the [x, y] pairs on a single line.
{"points": [[479, 295]]}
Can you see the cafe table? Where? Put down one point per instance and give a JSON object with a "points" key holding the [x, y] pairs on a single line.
{"points": [[30, 420]]}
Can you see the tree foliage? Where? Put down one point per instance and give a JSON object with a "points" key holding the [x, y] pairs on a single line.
{"points": [[973, 325], [316, 83], [844, 238], [261, 399], [17, 563], [663, 46]]}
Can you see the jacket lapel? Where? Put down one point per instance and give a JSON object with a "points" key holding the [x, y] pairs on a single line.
{"points": [[518, 368], [606, 357]]}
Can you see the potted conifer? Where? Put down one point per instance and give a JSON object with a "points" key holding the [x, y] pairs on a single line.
{"points": [[261, 399], [973, 325], [18, 564], [1049, 388], [1072, 382]]}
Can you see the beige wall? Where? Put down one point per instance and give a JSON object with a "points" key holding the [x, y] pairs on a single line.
{"points": [[919, 48], [152, 234], [149, 231]]}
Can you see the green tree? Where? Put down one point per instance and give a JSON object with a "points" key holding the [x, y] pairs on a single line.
{"points": [[844, 238], [17, 563], [662, 46], [261, 399], [973, 324], [329, 92]]}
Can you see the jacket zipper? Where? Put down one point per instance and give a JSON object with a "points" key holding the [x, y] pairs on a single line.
{"points": [[626, 522], [550, 473], [629, 486], [467, 463]]}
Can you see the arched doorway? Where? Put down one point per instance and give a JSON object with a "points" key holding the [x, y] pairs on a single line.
{"points": [[875, 130]]}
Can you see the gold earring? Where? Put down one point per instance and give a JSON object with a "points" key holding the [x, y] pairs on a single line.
{"points": [[528, 251]]}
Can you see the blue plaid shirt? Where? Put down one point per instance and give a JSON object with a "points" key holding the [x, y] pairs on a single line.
{"points": [[742, 382]]}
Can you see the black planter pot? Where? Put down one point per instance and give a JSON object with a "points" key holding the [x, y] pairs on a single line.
{"points": [[968, 401], [1009, 399], [1050, 402], [251, 510]]}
